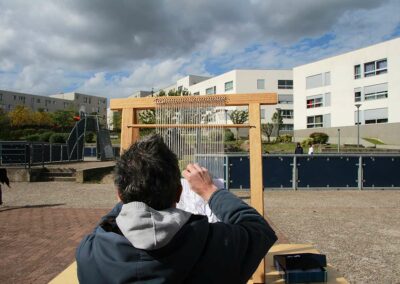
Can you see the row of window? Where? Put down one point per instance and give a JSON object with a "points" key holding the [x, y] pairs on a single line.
{"points": [[368, 116], [318, 80], [284, 113], [371, 68], [228, 86], [373, 92], [318, 100]]}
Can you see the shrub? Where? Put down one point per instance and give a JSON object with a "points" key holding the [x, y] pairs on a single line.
{"points": [[307, 142], [287, 138], [45, 136], [229, 136], [28, 131], [229, 148], [59, 138], [32, 137], [319, 137]]}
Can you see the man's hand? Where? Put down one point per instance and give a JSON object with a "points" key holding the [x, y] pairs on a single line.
{"points": [[199, 180]]}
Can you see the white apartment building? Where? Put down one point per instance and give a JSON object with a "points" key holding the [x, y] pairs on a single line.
{"points": [[76, 101], [247, 81], [327, 93]]}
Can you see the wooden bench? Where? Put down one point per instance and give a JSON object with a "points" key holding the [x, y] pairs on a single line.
{"points": [[271, 275]]}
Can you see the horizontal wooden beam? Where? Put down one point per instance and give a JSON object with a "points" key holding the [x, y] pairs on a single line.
{"points": [[229, 100], [190, 126]]}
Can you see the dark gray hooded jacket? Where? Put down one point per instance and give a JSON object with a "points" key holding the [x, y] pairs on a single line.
{"points": [[137, 244]]}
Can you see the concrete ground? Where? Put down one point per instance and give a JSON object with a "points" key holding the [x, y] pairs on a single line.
{"points": [[42, 223]]}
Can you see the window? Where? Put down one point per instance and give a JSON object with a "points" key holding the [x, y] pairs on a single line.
{"points": [[15, 98], [357, 71], [357, 96], [285, 99], [327, 80], [229, 86], [285, 84], [318, 80], [315, 101], [375, 68], [262, 114], [260, 84], [85, 100], [90, 100], [314, 81], [1, 97], [38, 101], [372, 116], [314, 121], [211, 91], [180, 89], [287, 113], [287, 127], [374, 92], [374, 121], [196, 93]]}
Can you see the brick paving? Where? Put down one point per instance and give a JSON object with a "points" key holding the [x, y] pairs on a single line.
{"points": [[42, 223], [38, 242]]}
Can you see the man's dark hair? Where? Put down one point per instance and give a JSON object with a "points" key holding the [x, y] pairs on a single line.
{"points": [[148, 172]]}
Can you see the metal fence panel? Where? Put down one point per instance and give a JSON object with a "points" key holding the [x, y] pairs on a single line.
{"points": [[56, 152], [36, 153], [327, 171], [381, 171], [13, 153], [277, 171], [239, 172]]}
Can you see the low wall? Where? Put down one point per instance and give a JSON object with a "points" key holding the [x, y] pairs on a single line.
{"points": [[389, 133], [93, 174], [18, 174]]}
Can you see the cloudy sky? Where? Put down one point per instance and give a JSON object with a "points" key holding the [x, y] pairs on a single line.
{"points": [[114, 48]]}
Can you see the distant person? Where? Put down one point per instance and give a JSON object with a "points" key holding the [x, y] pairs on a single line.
{"points": [[146, 239], [311, 149], [3, 180], [299, 149]]}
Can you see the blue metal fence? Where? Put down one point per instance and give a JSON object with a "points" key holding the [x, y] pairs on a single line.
{"points": [[336, 171], [32, 153]]}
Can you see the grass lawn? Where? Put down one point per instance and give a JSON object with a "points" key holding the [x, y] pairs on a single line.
{"points": [[374, 141]]}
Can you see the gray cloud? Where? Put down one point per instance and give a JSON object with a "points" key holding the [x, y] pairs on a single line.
{"points": [[102, 34], [54, 39]]}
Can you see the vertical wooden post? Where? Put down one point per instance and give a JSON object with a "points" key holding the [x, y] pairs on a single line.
{"points": [[128, 135], [256, 174]]}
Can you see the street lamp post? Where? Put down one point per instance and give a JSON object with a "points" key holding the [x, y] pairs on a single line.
{"points": [[358, 124], [278, 111], [338, 145]]}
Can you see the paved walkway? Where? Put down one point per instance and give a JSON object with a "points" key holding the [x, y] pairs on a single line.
{"points": [[38, 240], [41, 224]]}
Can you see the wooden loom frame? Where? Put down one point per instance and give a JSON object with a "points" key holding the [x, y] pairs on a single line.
{"points": [[130, 134]]}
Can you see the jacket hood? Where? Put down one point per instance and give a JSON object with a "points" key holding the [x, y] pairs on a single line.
{"points": [[147, 228]]}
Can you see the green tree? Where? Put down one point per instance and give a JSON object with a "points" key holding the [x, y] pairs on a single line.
{"points": [[116, 121], [147, 117], [4, 124], [267, 130], [64, 119], [42, 118], [20, 116], [277, 121], [239, 117]]}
